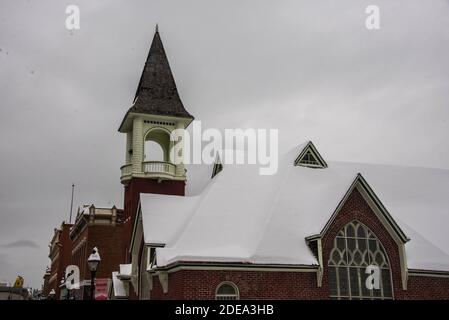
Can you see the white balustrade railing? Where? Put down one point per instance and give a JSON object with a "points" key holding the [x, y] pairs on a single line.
{"points": [[158, 167], [126, 169]]}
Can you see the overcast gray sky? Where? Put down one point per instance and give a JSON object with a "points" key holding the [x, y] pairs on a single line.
{"points": [[309, 68]]}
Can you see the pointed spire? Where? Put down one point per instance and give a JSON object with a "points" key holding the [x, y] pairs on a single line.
{"points": [[157, 93]]}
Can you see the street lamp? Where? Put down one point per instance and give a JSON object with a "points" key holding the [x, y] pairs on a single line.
{"points": [[51, 294], [93, 261]]}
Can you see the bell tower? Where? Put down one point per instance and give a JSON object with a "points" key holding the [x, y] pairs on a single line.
{"points": [[154, 143]]}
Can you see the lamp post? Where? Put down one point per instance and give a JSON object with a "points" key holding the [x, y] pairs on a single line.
{"points": [[93, 261], [51, 294]]}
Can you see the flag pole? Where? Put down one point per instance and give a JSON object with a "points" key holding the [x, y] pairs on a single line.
{"points": [[71, 204]]}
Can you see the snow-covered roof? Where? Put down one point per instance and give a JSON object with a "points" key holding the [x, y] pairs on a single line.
{"points": [[167, 216], [241, 216], [198, 177]]}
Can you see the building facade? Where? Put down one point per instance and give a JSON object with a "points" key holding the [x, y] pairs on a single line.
{"points": [[101, 228], [60, 252]]}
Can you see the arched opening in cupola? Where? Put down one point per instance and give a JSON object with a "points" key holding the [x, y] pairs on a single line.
{"points": [[157, 145]]}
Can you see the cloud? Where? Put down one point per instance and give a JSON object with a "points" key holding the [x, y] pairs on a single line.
{"points": [[21, 244], [309, 68]]}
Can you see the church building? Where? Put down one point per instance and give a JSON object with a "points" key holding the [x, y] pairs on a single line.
{"points": [[317, 229]]}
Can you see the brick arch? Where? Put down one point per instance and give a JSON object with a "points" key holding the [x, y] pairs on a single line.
{"points": [[356, 208], [230, 283], [242, 284]]}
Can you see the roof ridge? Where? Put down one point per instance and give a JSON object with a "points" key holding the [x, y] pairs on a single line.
{"points": [[386, 165]]}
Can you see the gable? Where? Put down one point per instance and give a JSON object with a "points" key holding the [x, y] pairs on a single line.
{"points": [[376, 206], [363, 205], [310, 157]]}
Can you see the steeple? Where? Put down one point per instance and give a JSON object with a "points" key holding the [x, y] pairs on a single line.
{"points": [[156, 93], [154, 128], [157, 116]]}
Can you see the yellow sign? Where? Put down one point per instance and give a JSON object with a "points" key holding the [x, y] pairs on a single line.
{"points": [[19, 282]]}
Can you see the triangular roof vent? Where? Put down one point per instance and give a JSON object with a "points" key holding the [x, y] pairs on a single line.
{"points": [[218, 166], [310, 157]]}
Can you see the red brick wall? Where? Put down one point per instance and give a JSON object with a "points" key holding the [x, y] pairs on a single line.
{"points": [[356, 208], [201, 284], [65, 253], [79, 256], [197, 284], [427, 288], [58, 265], [108, 240], [54, 267], [131, 201]]}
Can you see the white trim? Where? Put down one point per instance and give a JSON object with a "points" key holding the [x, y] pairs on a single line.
{"points": [[137, 235], [237, 268], [376, 206], [137, 221], [143, 275], [233, 285], [396, 237], [347, 265], [320, 270], [126, 126], [428, 273], [383, 216]]}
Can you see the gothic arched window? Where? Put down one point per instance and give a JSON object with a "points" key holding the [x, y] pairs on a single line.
{"points": [[355, 253]]}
